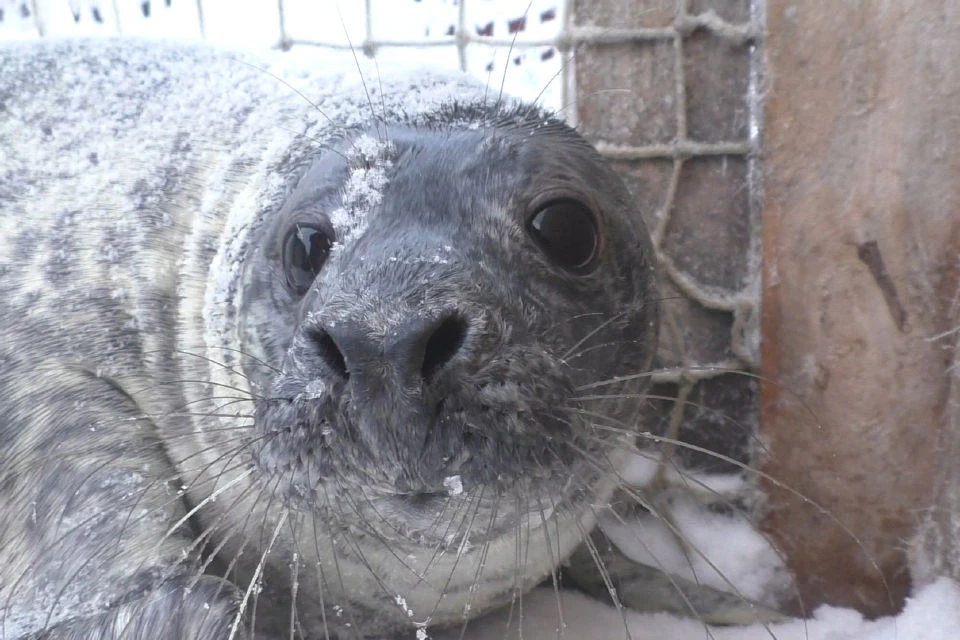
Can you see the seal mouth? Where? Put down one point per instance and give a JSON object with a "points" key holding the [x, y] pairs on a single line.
{"points": [[422, 510], [479, 514], [439, 520]]}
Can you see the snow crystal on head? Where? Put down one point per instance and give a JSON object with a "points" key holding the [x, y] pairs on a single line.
{"points": [[369, 162], [453, 485]]}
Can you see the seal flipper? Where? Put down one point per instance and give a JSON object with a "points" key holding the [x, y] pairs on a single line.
{"points": [[94, 487]]}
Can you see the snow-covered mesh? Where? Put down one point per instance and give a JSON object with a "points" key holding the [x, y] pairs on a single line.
{"points": [[669, 90]]}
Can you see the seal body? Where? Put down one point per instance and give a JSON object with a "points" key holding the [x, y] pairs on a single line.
{"points": [[289, 354]]}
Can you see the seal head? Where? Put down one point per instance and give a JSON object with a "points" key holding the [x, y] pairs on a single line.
{"points": [[431, 302], [466, 283]]}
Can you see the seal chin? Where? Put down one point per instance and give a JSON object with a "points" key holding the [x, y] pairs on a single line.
{"points": [[480, 474], [480, 516]]}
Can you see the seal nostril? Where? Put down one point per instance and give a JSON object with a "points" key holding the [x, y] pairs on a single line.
{"points": [[443, 344], [329, 351]]}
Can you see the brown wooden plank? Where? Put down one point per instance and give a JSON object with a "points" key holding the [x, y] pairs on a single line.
{"points": [[861, 242]]}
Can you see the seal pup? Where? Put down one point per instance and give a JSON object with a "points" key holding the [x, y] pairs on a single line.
{"points": [[298, 362]]}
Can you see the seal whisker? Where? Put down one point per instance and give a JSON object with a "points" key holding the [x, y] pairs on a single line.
{"points": [[294, 621], [65, 536], [256, 582], [645, 375], [245, 441], [588, 350], [383, 137], [231, 566], [517, 553], [213, 496], [249, 394], [753, 438], [452, 523], [212, 414], [563, 67], [47, 551], [506, 65], [302, 551], [282, 81], [605, 576], [383, 101], [695, 613], [248, 355], [375, 532], [555, 561], [590, 334], [14, 468], [136, 392], [332, 534], [244, 354], [460, 550], [206, 534], [62, 537], [222, 365], [230, 400], [756, 472], [258, 572], [664, 517], [224, 468], [524, 558], [481, 565]]}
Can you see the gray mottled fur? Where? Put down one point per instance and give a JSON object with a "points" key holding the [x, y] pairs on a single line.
{"points": [[178, 460]]}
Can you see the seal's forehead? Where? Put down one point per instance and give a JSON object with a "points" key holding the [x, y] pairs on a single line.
{"points": [[483, 161], [506, 159], [514, 143]]}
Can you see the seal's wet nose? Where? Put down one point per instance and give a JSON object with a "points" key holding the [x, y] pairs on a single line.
{"points": [[445, 337], [415, 351]]}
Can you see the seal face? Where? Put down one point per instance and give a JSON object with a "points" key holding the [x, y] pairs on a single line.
{"points": [[306, 365]]}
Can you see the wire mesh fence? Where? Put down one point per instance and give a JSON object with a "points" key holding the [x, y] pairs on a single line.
{"points": [[671, 93]]}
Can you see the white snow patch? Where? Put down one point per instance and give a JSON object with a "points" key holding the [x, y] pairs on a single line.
{"points": [[363, 191], [453, 485], [932, 614], [723, 551], [641, 469], [402, 603]]}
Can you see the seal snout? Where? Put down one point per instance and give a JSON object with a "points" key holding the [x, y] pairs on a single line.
{"points": [[391, 373], [414, 351]]}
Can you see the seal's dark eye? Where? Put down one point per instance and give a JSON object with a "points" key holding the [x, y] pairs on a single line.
{"points": [[305, 249], [567, 232]]}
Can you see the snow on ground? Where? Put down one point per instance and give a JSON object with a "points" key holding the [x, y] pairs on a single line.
{"points": [[932, 614], [739, 554]]}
